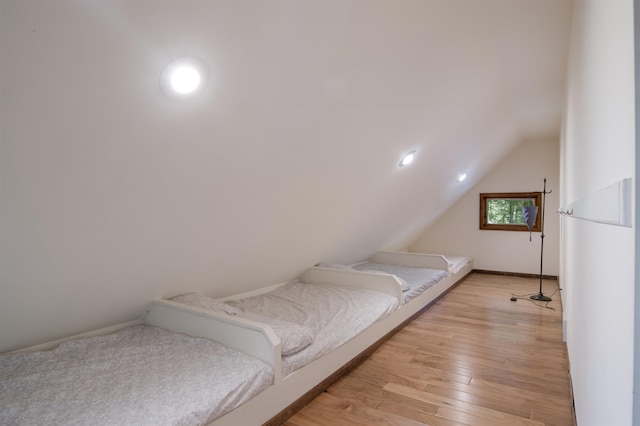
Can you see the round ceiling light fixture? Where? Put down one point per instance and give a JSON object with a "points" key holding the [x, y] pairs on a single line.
{"points": [[407, 158], [183, 77]]}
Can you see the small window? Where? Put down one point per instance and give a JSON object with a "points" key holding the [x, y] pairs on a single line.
{"points": [[503, 211]]}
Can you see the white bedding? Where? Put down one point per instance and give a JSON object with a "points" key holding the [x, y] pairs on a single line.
{"points": [[293, 337], [332, 314], [418, 279], [139, 375]]}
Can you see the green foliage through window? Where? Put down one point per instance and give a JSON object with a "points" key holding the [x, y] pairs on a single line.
{"points": [[503, 211], [506, 210]]}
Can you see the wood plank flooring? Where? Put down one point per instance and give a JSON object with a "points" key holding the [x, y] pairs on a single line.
{"points": [[473, 358]]}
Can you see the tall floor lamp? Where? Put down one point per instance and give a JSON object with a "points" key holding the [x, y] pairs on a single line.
{"points": [[530, 213]]}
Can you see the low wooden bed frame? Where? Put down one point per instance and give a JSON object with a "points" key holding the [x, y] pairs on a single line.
{"points": [[290, 393]]}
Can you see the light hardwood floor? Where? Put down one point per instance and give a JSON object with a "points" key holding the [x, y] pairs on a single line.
{"points": [[473, 358]]}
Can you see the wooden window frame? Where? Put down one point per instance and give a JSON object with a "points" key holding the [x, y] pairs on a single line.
{"points": [[485, 197]]}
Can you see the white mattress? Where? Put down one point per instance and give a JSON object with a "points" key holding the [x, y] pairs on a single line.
{"points": [[139, 375], [418, 279], [333, 313]]}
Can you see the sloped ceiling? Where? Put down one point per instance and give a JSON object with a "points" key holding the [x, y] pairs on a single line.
{"points": [[113, 194]]}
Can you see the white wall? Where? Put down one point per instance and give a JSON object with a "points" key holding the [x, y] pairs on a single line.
{"points": [[597, 271], [112, 194], [457, 231]]}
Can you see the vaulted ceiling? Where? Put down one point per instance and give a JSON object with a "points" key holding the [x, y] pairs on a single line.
{"points": [[113, 193]]}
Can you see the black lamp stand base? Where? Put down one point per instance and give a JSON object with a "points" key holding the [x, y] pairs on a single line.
{"points": [[541, 297]]}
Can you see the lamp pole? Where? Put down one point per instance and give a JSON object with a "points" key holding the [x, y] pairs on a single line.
{"points": [[541, 297]]}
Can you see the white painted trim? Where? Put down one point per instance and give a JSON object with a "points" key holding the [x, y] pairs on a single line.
{"points": [[414, 260], [384, 283], [612, 205]]}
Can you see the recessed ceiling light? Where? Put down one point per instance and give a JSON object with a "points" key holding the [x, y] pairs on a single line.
{"points": [[462, 177], [408, 158], [183, 77]]}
